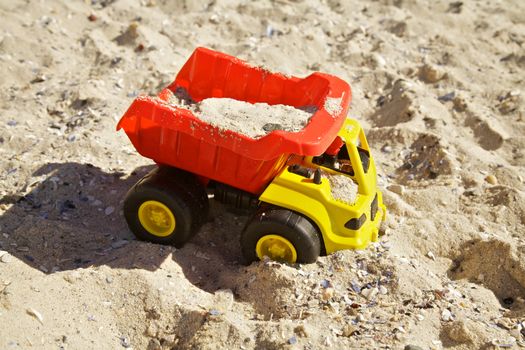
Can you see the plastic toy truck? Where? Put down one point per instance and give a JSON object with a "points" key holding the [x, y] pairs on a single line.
{"points": [[283, 176]]}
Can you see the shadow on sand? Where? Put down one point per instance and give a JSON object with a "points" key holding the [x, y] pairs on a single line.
{"points": [[71, 219]]}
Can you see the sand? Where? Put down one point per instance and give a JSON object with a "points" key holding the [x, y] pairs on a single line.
{"points": [[333, 105], [342, 188], [251, 119], [438, 87]]}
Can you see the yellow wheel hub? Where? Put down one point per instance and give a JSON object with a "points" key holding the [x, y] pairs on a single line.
{"points": [[156, 218], [276, 248]]}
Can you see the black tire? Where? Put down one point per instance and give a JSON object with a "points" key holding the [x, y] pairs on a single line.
{"points": [[180, 192], [190, 188], [298, 230]]}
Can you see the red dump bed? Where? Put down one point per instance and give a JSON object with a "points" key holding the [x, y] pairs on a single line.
{"points": [[176, 137]]}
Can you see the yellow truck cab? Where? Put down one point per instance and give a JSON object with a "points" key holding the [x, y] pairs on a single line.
{"points": [[342, 224]]}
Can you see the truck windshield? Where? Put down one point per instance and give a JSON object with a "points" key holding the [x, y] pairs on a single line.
{"points": [[341, 161]]}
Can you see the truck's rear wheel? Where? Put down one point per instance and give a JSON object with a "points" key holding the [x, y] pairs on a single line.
{"points": [[281, 235], [157, 218], [167, 206]]}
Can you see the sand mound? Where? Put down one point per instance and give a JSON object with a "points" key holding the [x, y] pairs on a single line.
{"points": [[267, 287], [489, 133], [493, 264], [426, 159], [465, 334], [397, 106], [414, 155]]}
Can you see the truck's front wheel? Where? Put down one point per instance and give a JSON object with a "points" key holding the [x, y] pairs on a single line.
{"points": [[281, 235]]}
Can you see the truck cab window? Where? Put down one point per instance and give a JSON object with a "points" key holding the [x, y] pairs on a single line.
{"points": [[341, 161]]}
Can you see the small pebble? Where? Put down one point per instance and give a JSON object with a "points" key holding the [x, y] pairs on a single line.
{"points": [[314, 66], [214, 19], [154, 344], [400, 329], [369, 293], [355, 287], [328, 293], [36, 315], [119, 244], [387, 149], [413, 347], [39, 79], [349, 330], [328, 342], [459, 103], [399, 189], [504, 343], [152, 330], [491, 179], [430, 74], [446, 315], [399, 29], [431, 255], [268, 127], [509, 103], [109, 210], [300, 331], [447, 97], [455, 7], [378, 60], [505, 323], [125, 342], [169, 340], [6, 258]]}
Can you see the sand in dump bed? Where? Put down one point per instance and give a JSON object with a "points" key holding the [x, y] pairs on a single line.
{"points": [[251, 119], [333, 105], [343, 188]]}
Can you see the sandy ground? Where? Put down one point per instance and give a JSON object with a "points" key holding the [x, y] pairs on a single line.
{"points": [[439, 88]]}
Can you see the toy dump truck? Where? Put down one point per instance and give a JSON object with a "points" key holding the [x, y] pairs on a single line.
{"points": [[291, 180]]}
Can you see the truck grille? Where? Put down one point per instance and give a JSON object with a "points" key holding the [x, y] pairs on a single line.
{"points": [[373, 209]]}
